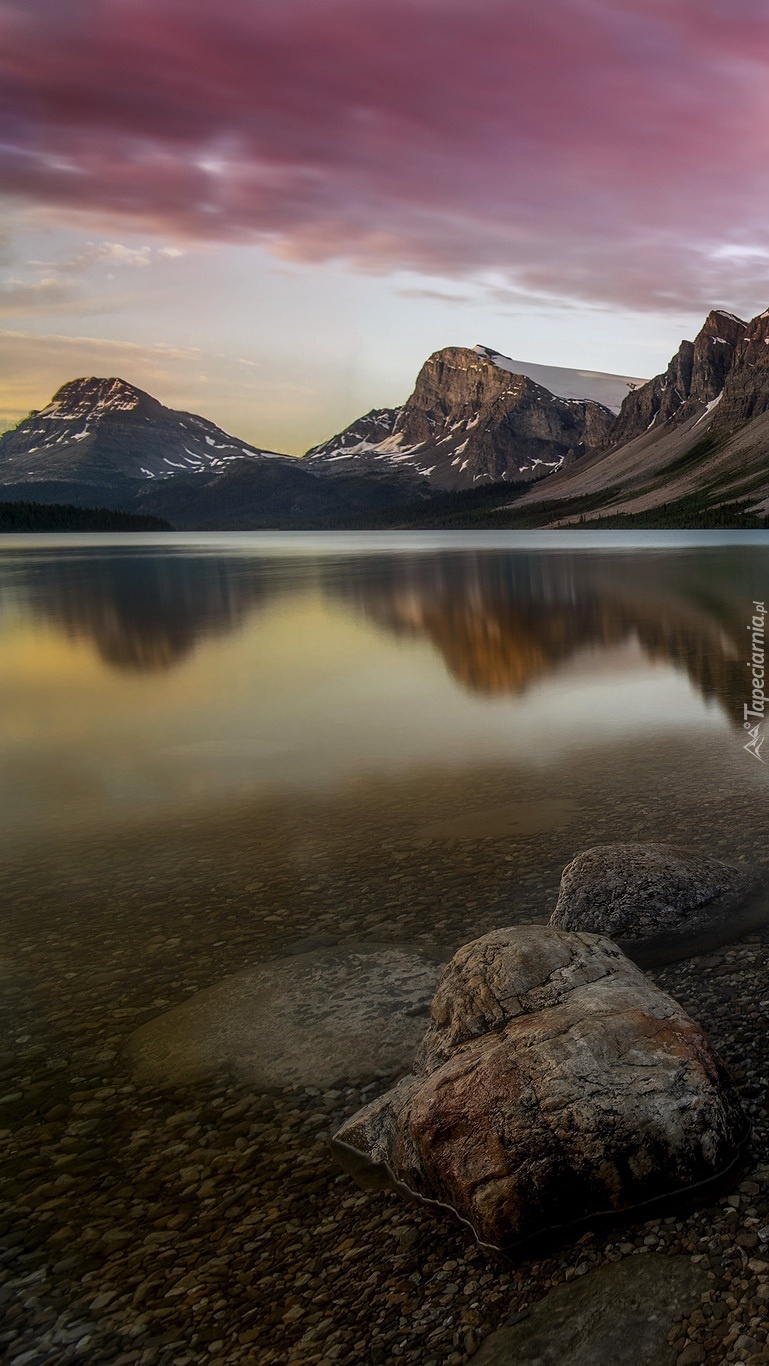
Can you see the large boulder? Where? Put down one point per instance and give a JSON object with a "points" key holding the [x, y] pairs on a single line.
{"points": [[638, 893], [554, 1083]]}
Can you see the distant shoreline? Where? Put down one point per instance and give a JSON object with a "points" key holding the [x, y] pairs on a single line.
{"points": [[18, 517]]}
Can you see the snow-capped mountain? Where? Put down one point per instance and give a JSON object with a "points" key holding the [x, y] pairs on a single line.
{"points": [[469, 419], [688, 441], [371, 432], [95, 430], [105, 443]]}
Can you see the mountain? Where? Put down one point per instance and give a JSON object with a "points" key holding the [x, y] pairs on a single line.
{"points": [[693, 438], [746, 387], [104, 443], [688, 447], [469, 419], [105, 430]]}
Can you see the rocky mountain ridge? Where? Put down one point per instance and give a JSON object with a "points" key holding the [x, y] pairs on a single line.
{"points": [[693, 438], [690, 442], [746, 386], [698, 434], [470, 419], [695, 375]]}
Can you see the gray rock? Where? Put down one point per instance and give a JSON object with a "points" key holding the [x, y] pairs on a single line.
{"points": [[347, 1014], [634, 892], [555, 1083], [616, 1315]]}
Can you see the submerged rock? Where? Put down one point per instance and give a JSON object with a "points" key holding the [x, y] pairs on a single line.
{"points": [[616, 1315], [353, 1013], [554, 1083], [635, 892]]}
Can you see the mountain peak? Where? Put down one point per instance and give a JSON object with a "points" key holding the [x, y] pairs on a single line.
{"points": [[721, 326], [91, 391], [96, 431], [723, 313], [692, 384], [746, 389], [473, 416], [596, 386]]}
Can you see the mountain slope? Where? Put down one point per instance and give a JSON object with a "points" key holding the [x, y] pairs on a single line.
{"points": [[103, 431], [469, 419], [700, 429], [104, 443]]}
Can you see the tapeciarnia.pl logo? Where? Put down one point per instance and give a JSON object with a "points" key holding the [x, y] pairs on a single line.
{"points": [[757, 707]]}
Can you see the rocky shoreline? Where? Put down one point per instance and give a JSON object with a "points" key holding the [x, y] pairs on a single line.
{"points": [[207, 1223], [211, 1225]]}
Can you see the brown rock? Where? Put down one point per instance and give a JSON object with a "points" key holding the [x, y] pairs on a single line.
{"points": [[746, 390], [692, 1355], [554, 1083]]}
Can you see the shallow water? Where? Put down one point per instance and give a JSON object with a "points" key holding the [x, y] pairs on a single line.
{"points": [[216, 751]]}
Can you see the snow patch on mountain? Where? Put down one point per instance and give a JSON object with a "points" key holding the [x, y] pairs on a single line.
{"points": [[572, 385]]}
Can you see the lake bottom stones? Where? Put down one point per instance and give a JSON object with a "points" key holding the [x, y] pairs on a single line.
{"points": [[555, 1083]]}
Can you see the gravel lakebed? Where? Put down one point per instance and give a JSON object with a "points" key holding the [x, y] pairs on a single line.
{"points": [[208, 1222]]}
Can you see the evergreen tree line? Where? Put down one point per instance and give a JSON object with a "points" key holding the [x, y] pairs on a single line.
{"points": [[65, 517]]}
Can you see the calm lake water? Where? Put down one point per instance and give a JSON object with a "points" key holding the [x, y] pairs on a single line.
{"points": [[218, 750], [142, 679]]}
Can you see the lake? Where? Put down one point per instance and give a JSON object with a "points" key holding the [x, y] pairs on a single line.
{"points": [[151, 679], [218, 750]]}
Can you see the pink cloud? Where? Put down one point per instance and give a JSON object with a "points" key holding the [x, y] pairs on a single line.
{"points": [[598, 149]]}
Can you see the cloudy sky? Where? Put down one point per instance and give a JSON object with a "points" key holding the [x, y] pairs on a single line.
{"points": [[271, 211]]}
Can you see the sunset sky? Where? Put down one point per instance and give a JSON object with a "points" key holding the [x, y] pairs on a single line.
{"points": [[271, 211]]}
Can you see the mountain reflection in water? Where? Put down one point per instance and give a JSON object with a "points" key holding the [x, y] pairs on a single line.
{"points": [[502, 621], [142, 612]]}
